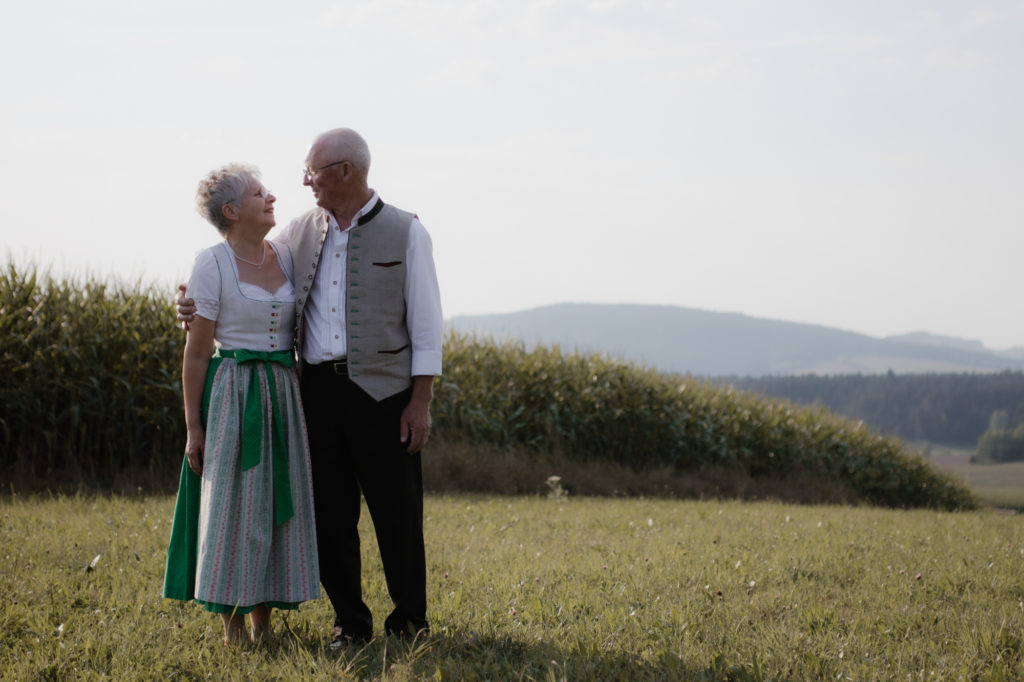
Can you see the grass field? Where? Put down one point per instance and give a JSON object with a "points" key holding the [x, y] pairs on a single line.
{"points": [[547, 589]]}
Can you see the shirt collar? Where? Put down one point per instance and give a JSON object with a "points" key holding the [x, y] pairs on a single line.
{"points": [[333, 223]]}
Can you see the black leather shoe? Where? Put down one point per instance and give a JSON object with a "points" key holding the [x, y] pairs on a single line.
{"points": [[409, 632], [341, 638]]}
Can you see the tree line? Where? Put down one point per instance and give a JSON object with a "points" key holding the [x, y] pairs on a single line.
{"points": [[950, 409]]}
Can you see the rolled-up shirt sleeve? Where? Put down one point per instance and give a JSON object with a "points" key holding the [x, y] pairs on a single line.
{"points": [[423, 303]]}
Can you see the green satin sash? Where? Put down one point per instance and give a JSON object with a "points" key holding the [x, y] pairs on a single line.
{"points": [[252, 424]]}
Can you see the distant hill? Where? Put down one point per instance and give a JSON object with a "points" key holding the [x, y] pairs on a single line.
{"points": [[706, 343], [926, 339]]}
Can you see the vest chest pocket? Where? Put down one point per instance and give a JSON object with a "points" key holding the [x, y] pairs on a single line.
{"points": [[384, 277]]}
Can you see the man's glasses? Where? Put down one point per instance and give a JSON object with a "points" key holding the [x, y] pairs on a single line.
{"points": [[308, 173]]}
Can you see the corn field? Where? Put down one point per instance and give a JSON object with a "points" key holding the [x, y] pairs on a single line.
{"points": [[599, 409], [90, 375], [90, 384]]}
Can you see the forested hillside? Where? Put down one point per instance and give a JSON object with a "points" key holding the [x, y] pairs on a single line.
{"points": [[952, 409]]}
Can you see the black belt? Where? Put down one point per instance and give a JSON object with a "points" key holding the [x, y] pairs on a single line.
{"points": [[339, 367]]}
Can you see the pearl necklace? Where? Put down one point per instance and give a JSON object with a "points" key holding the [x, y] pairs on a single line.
{"points": [[259, 266]]}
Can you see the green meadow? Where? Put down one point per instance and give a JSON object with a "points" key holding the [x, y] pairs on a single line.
{"points": [[549, 588], [657, 554]]}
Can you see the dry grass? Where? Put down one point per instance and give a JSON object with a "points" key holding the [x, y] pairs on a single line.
{"points": [[454, 466]]}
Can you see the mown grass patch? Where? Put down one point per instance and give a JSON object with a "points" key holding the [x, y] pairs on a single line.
{"points": [[536, 588], [1000, 485], [997, 485]]}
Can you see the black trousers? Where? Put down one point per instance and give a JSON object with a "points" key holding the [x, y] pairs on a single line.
{"points": [[354, 447]]}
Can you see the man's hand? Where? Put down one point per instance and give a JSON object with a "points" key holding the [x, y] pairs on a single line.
{"points": [[414, 426], [186, 307]]}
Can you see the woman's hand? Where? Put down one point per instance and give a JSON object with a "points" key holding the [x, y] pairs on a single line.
{"points": [[194, 450]]}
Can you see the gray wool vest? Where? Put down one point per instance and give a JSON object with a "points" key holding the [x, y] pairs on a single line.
{"points": [[379, 348]]}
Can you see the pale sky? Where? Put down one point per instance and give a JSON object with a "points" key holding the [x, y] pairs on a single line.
{"points": [[855, 164]]}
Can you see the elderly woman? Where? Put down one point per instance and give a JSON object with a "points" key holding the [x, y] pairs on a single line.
{"points": [[243, 539]]}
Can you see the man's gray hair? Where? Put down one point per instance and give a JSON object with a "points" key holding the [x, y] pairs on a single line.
{"points": [[345, 144], [222, 187]]}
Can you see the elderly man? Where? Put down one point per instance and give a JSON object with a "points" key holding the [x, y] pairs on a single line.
{"points": [[368, 324]]}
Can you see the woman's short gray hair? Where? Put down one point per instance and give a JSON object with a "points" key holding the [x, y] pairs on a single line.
{"points": [[221, 187]]}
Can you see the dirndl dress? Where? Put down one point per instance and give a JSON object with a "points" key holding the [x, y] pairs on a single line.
{"points": [[244, 533]]}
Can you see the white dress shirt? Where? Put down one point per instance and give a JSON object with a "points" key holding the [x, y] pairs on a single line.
{"points": [[324, 313]]}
